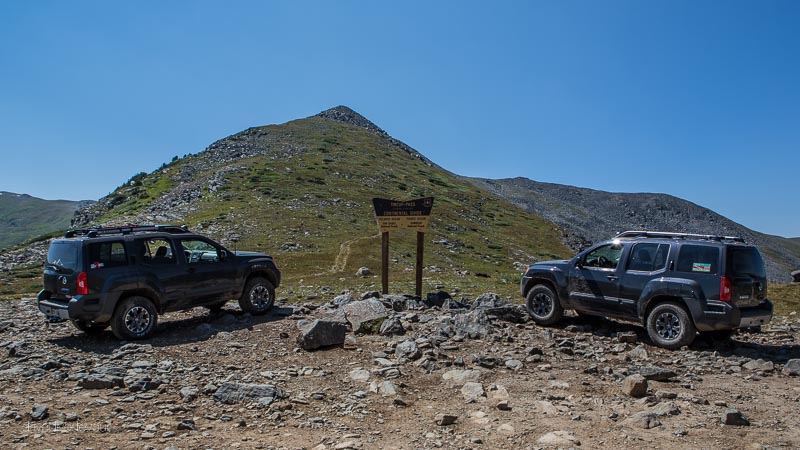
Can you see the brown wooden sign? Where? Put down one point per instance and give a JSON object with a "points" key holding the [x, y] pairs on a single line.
{"points": [[396, 214]]}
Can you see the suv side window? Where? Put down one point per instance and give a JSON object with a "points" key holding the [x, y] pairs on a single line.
{"points": [[198, 251], [155, 251], [605, 257], [648, 257], [698, 259], [107, 254]]}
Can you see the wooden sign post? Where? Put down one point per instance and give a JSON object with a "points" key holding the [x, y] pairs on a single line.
{"points": [[396, 214]]}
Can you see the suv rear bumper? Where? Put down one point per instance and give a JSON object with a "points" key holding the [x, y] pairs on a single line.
{"points": [[80, 307], [725, 316]]}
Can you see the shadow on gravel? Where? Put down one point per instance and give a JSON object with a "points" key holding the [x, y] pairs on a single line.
{"points": [[171, 332]]}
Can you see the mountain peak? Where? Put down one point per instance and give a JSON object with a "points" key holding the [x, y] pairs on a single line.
{"points": [[346, 115]]}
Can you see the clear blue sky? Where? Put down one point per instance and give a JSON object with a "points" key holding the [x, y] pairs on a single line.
{"points": [[693, 98]]}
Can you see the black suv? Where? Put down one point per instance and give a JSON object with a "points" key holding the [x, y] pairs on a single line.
{"points": [[675, 284], [125, 276]]}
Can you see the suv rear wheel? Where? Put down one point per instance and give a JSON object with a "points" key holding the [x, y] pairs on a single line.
{"points": [[670, 326], [90, 328], [543, 305], [134, 318], [258, 296]]}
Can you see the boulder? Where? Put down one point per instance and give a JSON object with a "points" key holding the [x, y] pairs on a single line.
{"points": [[474, 324], [342, 300], [232, 393], [490, 300], [321, 333], [365, 315]]}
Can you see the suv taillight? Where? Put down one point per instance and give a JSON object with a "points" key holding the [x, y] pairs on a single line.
{"points": [[725, 289], [83, 284]]}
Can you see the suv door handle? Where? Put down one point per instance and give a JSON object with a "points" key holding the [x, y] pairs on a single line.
{"points": [[612, 278]]}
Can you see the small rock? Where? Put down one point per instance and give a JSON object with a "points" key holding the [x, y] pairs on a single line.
{"points": [[188, 394], [635, 386], [638, 353], [734, 417], [760, 365], [503, 405], [644, 419], [39, 412], [629, 337], [392, 327], [408, 350], [444, 420], [657, 373], [559, 438], [363, 272], [232, 393], [513, 364], [473, 392], [187, 424], [792, 368], [455, 378], [360, 375]]}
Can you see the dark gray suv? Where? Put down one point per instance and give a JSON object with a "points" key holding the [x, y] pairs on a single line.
{"points": [[124, 277], [675, 284]]}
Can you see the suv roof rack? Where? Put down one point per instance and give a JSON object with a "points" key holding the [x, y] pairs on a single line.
{"points": [[127, 229], [664, 234]]}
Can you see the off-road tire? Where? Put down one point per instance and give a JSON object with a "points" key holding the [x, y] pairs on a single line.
{"points": [[135, 318], [670, 326], [543, 305], [258, 296], [90, 328]]}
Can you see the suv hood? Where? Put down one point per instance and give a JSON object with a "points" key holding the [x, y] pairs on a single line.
{"points": [[555, 262]]}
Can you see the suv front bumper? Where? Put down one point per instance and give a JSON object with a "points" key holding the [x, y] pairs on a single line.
{"points": [[725, 316]]}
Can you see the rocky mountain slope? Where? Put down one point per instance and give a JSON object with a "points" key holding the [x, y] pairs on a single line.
{"points": [[23, 217], [593, 216], [302, 192]]}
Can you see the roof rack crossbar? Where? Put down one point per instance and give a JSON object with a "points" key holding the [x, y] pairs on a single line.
{"points": [[127, 229], [664, 234]]}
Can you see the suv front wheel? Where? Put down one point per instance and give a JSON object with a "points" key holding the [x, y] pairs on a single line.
{"points": [[543, 305], [134, 318], [258, 296], [669, 326]]}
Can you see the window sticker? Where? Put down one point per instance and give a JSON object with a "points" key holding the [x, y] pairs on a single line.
{"points": [[701, 267]]}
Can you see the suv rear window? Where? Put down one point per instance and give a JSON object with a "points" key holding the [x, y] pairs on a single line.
{"points": [[698, 259], [745, 261], [65, 255], [107, 254]]}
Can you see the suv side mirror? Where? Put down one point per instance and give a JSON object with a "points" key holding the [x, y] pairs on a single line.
{"points": [[223, 255], [579, 263]]}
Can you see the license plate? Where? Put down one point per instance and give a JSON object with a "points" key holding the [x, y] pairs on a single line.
{"points": [[54, 314]]}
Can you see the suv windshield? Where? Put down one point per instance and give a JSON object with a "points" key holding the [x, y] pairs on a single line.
{"points": [[65, 256], [745, 261]]}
